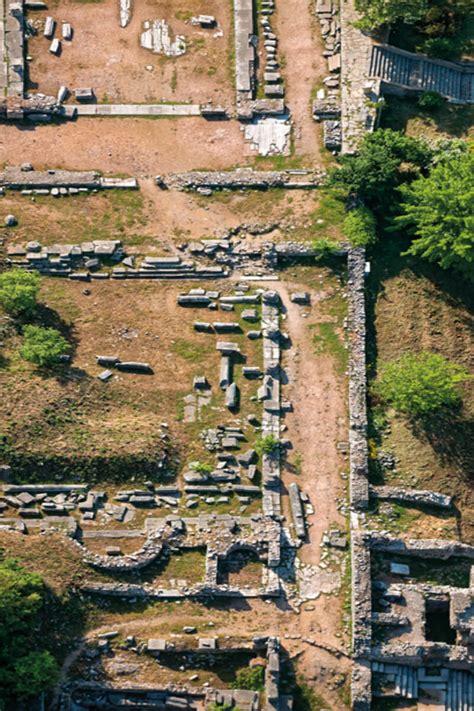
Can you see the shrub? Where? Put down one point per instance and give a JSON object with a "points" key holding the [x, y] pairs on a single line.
{"points": [[251, 678], [439, 47], [43, 346], [202, 468], [431, 100], [325, 246], [266, 444], [421, 384], [360, 227], [19, 292]]}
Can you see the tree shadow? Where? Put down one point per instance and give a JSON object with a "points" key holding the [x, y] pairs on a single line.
{"points": [[453, 119], [450, 435]]}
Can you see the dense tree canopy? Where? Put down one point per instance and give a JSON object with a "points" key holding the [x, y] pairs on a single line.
{"points": [[385, 160], [385, 12], [421, 384], [43, 346], [439, 211], [19, 292], [25, 668]]}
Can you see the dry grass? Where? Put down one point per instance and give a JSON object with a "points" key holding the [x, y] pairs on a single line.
{"points": [[422, 309], [71, 414]]}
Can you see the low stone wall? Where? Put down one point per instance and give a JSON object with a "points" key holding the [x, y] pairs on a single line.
{"points": [[241, 178], [361, 604], [422, 548], [16, 179], [411, 496], [359, 484]]}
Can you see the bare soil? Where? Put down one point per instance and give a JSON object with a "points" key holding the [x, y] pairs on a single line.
{"points": [[138, 147], [108, 58], [300, 46]]}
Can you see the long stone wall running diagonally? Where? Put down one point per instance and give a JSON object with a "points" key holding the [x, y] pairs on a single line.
{"points": [[417, 72], [359, 483]]}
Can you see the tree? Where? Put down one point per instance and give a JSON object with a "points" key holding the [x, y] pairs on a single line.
{"points": [[251, 678], [439, 211], [19, 292], [360, 226], [43, 346], [385, 159], [376, 13], [25, 668], [421, 384]]}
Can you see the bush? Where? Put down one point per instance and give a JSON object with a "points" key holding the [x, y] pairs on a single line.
{"points": [[43, 346], [421, 385], [251, 678], [325, 246], [360, 227], [431, 100], [266, 445], [439, 48], [202, 468], [19, 292]]}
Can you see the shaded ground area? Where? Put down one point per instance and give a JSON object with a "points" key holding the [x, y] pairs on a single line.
{"points": [[429, 311], [449, 121], [119, 69]]}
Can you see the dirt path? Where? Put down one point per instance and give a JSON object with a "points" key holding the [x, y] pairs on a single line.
{"points": [[139, 147], [304, 66], [318, 420]]}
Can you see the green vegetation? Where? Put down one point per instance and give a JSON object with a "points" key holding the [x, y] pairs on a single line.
{"points": [[251, 678], [306, 699], [420, 385], [440, 28], [19, 292], [326, 246], [439, 211], [266, 444], [385, 160], [360, 226], [431, 100], [26, 669], [202, 468], [328, 341], [385, 12], [43, 346]]}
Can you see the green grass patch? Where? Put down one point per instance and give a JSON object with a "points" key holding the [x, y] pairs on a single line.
{"points": [[327, 340]]}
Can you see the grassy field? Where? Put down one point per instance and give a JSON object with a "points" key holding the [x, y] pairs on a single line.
{"points": [[415, 307], [67, 422], [114, 214]]}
